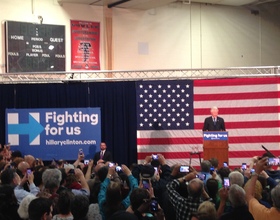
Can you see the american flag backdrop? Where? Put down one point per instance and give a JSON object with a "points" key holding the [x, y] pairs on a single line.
{"points": [[170, 117]]}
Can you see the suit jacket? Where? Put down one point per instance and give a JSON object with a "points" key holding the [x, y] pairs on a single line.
{"points": [[106, 157], [210, 126]]}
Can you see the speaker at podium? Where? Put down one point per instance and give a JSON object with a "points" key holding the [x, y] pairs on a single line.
{"points": [[215, 145]]}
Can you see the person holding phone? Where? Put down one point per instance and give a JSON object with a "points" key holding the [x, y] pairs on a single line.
{"points": [[183, 206], [205, 170], [258, 210], [110, 195], [10, 177]]}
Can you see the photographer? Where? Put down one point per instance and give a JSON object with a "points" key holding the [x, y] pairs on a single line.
{"points": [[110, 197], [257, 210], [144, 205], [186, 206]]}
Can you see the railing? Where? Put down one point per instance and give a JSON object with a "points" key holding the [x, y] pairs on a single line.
{"points": [[135, 75]]}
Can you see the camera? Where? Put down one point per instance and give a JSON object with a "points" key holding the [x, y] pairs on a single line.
{"points": [[86, 162], [154, 205], [212, 169], [201, 176], [111, 164], [156, 169], [252, 171], [225, 164], [28, 171], [273, 161], [244, 166], [154, 156], [226, 182], [118, 168], [184, 169], [81, 151], [145, 183]]}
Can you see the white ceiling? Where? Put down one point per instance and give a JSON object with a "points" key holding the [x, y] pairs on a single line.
{"points": [[148, 4]]}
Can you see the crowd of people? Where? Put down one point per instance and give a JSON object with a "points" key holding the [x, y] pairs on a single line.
{"points": [[152, 190]]}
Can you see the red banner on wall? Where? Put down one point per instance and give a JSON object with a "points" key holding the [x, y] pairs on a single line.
{"points": [[85, 38]]}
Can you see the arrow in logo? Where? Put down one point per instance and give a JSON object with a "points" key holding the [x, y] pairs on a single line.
{"points": [[33, 128]]}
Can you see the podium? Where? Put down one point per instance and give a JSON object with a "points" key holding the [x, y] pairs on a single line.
{"points": [[215, 145]]}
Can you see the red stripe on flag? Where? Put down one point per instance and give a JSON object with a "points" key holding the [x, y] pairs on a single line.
{"points": [[245, 124], [240, 110], [199, 140], [232, 154], [235, 82], [237, 96], [168, 141]]}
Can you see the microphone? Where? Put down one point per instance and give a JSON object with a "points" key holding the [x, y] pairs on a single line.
{"points": [[270, 154]]}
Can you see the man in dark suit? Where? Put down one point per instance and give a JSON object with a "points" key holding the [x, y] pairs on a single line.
{"points": [[103, 155], [214, 123]]}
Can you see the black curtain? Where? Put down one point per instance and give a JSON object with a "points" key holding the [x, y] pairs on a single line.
{"points": [[117, 101]]}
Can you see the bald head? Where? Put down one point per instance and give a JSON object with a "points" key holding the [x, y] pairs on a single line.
{"points": [[23, 166], [29, 159], [195, 187]]}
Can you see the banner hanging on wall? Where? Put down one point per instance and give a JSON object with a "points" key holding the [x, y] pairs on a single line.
{"points": [[54, 133], [85, 38]]}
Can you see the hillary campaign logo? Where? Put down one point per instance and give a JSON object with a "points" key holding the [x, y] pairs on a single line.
{"points": [[53, 132], [32, 128]]}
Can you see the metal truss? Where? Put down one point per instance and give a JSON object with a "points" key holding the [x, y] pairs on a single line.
{"points": [[136, 75]]}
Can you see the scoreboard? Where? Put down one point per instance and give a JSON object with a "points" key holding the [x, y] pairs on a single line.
{"points": [[34, 47]]}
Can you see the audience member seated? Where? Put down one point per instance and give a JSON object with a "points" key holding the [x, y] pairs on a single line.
{"points": [[205, 169], [258, 210], [123, 215], [223, 172], [258, 193], [185, 207], [79, 207], [16, 162], [236, 177], [64, 206], [16, 154], [144, 205], [40, 209], [6, 152], [22, 168], [236, 196], [212, 188], [10, 177], [53, 177], [23, 207], [274, 174], [215, 163], [8, 203], [110, 196], [205, 211], [30, 160]]}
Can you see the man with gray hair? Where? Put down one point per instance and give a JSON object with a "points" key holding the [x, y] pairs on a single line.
{"points": [[236, 177], [205, 169], [214, 123], [51, 179], [185, 207], [259, 211], [236, 196]]}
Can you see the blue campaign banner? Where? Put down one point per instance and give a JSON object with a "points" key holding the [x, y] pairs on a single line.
{"points": [[56, 133], [215, 135]]}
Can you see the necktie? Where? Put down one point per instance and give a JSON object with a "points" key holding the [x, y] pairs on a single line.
{"points": [[215, 120], [101, 155]]}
